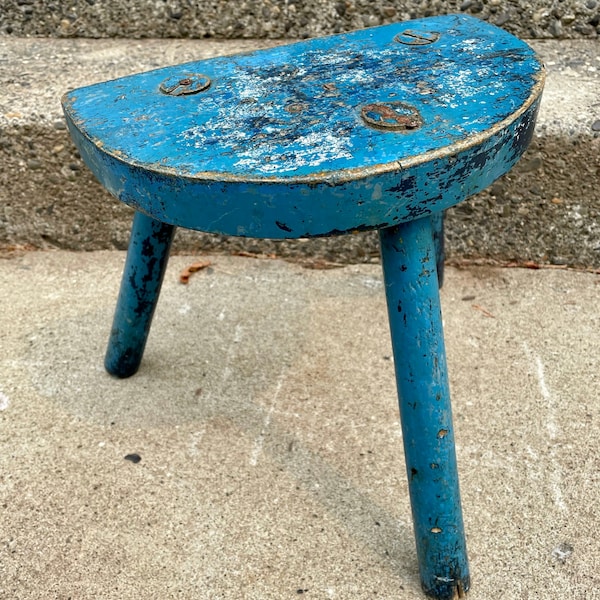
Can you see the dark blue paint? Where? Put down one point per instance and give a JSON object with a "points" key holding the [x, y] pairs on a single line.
{"points": [[289, 143], [140, 287]]}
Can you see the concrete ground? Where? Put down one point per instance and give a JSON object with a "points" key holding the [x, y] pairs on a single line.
{"points": [[265, 417]]}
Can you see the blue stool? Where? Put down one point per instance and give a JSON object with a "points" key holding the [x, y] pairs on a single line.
{"points": [[382, 129]]}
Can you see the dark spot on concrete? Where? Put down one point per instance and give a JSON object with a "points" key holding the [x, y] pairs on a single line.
{"points": [[134, 458]]}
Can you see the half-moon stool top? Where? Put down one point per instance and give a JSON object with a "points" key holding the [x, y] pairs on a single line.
{"points": [[383, 129], [350, 132]]}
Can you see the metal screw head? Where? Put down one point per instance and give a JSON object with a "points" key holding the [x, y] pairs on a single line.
{"points": [[391, 116], [413, 37], [185, 84], [296, 107]]}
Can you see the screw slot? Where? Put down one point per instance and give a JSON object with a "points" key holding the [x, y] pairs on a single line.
{"points": [[185, 86], [392, 116], [412, 37]]}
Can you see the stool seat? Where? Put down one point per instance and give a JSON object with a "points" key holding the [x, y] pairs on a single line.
{"points": [[320, 137], [383, 129]]}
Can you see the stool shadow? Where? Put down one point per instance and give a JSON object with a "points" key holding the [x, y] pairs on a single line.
{"points": [[151, 400]]}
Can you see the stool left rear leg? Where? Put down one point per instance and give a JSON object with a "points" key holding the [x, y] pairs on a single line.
{"points": [[143, 274]]}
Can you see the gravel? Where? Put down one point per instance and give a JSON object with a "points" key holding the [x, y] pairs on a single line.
{"points": [[282, 18]]}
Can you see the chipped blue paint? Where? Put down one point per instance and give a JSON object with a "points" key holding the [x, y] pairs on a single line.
{"points": [[278, 138], [378, 129]]}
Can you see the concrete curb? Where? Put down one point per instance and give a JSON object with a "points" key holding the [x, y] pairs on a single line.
{"points": [[547, 209]]}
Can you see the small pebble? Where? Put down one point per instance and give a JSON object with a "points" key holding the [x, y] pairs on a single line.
{"points": [[134, 458], [531, 165], [562, 552], [558, 260], [502, 19], [596, 125], [556, 29]]}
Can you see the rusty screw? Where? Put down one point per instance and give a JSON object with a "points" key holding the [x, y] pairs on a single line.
{"points": [[391, 116], [411, 37], [295, 107], [185, 86]]}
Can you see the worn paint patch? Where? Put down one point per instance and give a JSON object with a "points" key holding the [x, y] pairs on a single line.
{"points": [[293, 110], [4, 402]]}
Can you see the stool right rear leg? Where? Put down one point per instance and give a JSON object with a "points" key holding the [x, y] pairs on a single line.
{"points": [[143, 274], [437, 224]]}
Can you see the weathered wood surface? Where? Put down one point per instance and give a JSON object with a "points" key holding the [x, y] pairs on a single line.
{"points": [[289, 142]]}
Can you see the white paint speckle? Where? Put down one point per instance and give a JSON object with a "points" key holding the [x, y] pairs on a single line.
{"points": [[194, 442], [556, 478], [184, 309], [4, 402], [309, 150], [562, 552], [260, 439]]}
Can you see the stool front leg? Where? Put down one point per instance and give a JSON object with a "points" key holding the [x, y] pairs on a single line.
{"points": [[409, 267], [143, 274]]}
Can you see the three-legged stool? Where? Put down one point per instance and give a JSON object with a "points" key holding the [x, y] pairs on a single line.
{"points": [[378, 129]]}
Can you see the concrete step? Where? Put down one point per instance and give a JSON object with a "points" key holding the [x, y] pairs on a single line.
{"points": [[282, 18], [546, 210]]}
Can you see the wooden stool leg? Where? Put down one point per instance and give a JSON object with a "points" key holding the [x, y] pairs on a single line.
{"points": [[140, 287], [409, 267], [437, 224]]}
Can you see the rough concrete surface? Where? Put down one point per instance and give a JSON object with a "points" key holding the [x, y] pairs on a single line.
{"points": [[265, 418], [547, 209], [282, 18]]}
